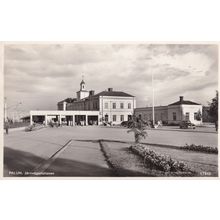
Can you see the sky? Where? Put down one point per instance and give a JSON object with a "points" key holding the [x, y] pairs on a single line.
{"points": [[40, 75]]}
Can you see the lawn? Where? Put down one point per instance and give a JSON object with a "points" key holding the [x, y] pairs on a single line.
{"points": [[121, 158]]}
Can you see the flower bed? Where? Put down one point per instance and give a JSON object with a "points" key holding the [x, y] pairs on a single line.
{"points": [[200, 148], [161, 162]]}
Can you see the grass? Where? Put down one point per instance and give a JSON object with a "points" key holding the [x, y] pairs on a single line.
{"points": [[123, 160]]}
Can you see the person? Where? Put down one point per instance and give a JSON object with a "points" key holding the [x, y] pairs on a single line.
{"points": [[6, 127]]}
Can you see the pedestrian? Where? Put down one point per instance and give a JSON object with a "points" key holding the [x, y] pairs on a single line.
{"points": [[6, 127]]}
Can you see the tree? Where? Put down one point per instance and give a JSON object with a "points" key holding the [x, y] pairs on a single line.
{"points": [[199, 115], [213, 110], [139, 128]]}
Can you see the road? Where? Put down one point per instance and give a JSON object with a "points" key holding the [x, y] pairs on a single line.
{"points": [[40, 150]]}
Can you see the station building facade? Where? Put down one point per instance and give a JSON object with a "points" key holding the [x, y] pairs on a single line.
{"points": [[89, 108], [173, 113]]}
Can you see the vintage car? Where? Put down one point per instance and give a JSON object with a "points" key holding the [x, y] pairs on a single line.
{"points": [[187, 124], [126, 124]]}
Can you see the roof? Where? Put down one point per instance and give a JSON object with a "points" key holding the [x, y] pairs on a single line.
{"points": [[82, 82], [184, 102], [113, 93], [68, 100]]}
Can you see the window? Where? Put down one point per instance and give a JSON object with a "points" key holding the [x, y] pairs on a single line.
{"points": [[174, 116], [114, 117], [122, 117], [106, 105], [121, 105], [114, 105], [129, 105], [195, 115], [187, 116]]}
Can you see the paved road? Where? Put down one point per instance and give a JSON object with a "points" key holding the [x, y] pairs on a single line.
{"points": [[28, 150], [31, 151]]}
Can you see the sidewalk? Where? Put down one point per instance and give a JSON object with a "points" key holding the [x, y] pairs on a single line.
{"points": [[14, 129]]}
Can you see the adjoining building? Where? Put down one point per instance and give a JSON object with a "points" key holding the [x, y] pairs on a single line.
{"points": [[89, 108], [174, 113]]}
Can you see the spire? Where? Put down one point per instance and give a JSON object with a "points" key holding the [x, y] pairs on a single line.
{"points": [[82, 84]]}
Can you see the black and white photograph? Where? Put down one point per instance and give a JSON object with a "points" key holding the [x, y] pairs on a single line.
{"points": [[96, 109]]}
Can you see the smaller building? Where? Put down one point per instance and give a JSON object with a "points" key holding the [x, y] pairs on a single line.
{"points": [[174, 113]]}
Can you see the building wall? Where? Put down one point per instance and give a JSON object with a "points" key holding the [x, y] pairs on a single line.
{"points": [[91, 103], [104, 104], [82, 94], [161, 113], [177, 110], [60, 106], [173, 114], [192, 109], [118, 114]]}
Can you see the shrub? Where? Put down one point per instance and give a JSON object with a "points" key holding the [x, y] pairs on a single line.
{"points": [[161, 162], [51, 124], [200, 148], [34, 127], [138, 127], [29, 128]]}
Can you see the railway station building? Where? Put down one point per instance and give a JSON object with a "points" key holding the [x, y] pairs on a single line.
{"points": [[88, 108]]}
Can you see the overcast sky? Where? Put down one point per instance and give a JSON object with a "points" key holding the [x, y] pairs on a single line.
{"points": [[41, 75]]}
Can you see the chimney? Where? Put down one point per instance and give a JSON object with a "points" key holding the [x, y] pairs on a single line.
{"points": [[181, 98], [110, 89], [91, 92]]}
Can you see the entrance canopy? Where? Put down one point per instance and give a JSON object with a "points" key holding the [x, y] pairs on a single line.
{"points": [[69, 117]]}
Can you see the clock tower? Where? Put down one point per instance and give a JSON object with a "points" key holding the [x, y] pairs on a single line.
{"points": [[82, 93]]}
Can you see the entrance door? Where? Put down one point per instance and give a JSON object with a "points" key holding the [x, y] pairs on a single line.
{"points": [[106, 118]]}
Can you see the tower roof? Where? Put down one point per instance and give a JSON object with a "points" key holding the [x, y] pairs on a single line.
{"points": [[82, 82]]}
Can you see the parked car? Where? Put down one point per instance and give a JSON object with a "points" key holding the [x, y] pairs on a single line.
{"points": [[126, 124], [187, 124]]}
